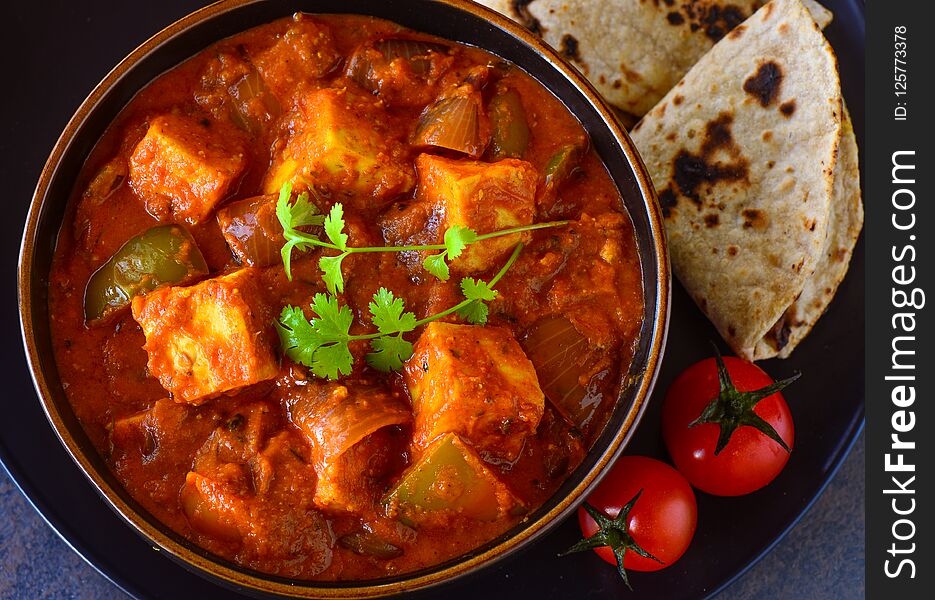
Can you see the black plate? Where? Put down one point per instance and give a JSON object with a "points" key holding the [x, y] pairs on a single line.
{"points": [[63, 54]]}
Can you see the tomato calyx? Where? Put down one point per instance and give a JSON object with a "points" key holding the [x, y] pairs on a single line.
{"points": [[615, 534], [732, 408]]}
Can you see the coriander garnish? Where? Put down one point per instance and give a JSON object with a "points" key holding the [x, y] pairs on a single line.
{"points": [[303, 213], [322, 342]]}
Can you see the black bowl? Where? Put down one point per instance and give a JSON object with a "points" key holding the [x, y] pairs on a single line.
{"points": [[451, 19]]}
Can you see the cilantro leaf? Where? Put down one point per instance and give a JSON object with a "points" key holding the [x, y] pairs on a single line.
{"points": [[436, 265], [457, 238], [332, 361], [333, 322], [388, 315], [297, 336], [334, 226], [331, 272], [474, 312], [283, 210], [305, 213], [320, 344], [291, 216], [478, 292], [476, 289], [389, 352]]}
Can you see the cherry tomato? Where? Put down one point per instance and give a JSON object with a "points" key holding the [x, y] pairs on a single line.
{"points": [[727, 427], [645, 506]]}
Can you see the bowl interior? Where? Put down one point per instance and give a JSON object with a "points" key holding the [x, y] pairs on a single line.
{"points": [[450, 19]]}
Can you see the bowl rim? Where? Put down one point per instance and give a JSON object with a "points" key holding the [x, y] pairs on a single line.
{"points": [[242, 579]]}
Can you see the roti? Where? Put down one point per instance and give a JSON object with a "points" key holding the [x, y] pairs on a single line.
{"points": [[634, 51], [846, 221], [743, 153]]}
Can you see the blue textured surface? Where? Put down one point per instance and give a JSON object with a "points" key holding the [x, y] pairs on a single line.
{"points": [[823, 557]]}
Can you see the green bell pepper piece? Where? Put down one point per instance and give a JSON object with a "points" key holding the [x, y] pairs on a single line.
{"points": [[166, 254]]}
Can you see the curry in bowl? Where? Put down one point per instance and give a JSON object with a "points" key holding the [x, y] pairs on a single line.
{"points": [[336, 300]]}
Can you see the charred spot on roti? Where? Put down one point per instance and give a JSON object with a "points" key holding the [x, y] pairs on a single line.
{"points": [[678, 99], [715, 20], [617, 84], [671, 136], [754, 218], [667, 201], [521, 14], [732, 250], [737, 32], [767, 11], [731, 331], [765, 83], [770, 164], [719, 21], [675, 18], [568, 47], [787, 108], [718, 135], [602, 79], [767, 135], [711, 220], [810, 224], [691, 171]]}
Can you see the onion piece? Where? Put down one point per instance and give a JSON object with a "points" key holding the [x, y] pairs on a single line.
{"points": [[417, 52], [253, 102], [456, 121], [564, 362], [403, 72], [252, 230], [335, 418]]}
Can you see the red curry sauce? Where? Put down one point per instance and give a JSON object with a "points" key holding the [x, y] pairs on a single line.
{"points": [[269, 473]]}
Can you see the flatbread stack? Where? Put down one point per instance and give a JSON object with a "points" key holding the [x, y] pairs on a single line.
{"points": [[634, 51], [754, 160], [747, 140]]}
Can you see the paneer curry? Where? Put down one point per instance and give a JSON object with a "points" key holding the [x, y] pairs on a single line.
{"points": [[336, 300]]}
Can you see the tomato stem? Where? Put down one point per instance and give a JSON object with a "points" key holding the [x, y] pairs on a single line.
{"points": [[615, 534], [732, 408]]}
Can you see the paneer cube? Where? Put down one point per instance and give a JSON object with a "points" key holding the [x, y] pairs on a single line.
{"points": [[450, 479], [305, 51], [483, 196], [209, 338], [474, 381], [182, 168], [341, 144]]}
